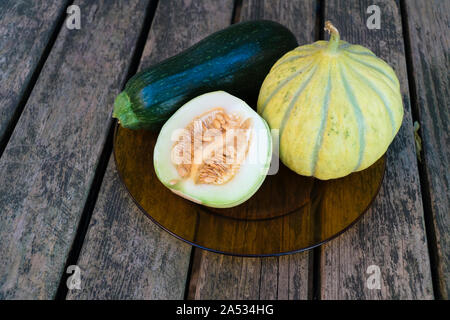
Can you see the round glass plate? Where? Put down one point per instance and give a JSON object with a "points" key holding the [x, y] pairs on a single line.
{"points": [[289, 213]]}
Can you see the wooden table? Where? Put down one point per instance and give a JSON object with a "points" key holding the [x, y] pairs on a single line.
{"points": [[61, 201]]}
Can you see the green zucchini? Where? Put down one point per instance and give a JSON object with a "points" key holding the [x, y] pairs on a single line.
{"points": [[235, 59]]}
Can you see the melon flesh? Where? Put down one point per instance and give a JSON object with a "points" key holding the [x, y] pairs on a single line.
{"points": [[215, 151]]}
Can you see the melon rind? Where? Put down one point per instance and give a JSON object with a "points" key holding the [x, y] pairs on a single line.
{"points": [[337, 109]]}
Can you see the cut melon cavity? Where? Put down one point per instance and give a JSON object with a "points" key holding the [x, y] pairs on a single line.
{"points": [[215, 150]]}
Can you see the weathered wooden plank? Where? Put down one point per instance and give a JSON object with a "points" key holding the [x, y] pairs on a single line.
{"points": [[428, 23], [226, 277], [125, 255], [287, 277], [25, 30], [48, 165], [391, 235]]}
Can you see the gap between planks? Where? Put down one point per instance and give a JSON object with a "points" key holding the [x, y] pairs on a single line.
{"points": [[314, 292]]}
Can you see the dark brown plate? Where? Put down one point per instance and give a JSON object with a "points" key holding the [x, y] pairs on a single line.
{"points": [[289, 213]]}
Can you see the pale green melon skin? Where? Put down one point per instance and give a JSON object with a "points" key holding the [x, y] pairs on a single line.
{"points": [[337, 112], [230, 194]]}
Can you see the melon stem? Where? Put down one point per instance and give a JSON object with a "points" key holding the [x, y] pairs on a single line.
{"points": [[333, 43]]}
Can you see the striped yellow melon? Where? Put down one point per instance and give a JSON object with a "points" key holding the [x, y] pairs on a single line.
{"points": [[336, 105]]}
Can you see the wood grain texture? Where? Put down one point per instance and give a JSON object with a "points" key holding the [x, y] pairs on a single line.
{"points": [[48, 166], [25, 30], [125, 255], [392, 233], [288, 277], [428, 23]]}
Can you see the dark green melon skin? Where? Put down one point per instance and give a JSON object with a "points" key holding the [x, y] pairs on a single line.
{"points": [[235, 59]]}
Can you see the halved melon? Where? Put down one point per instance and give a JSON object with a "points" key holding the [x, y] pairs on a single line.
{"points": [[215, 150]]}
